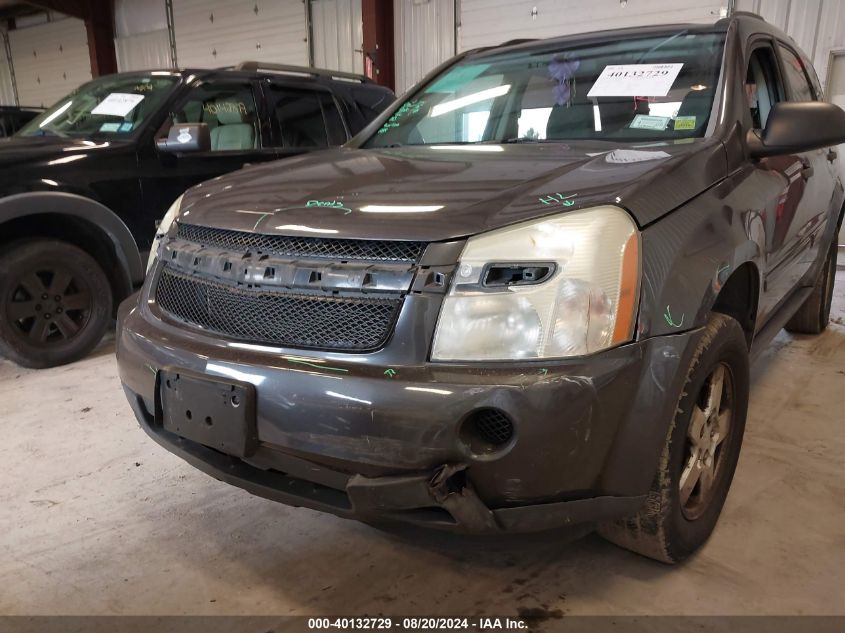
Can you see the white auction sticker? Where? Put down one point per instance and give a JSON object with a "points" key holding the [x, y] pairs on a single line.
{"points": [[635, 80], [118, 104]]}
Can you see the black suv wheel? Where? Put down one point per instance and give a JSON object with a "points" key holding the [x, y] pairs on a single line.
{"points": [[700, 453], [55, 303]]}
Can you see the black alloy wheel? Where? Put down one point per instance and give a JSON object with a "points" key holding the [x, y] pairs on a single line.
{"points": [[55, 303]]}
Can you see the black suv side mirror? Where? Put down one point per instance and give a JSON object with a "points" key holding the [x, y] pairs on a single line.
{"points": [[186, 137], [798, 127]]}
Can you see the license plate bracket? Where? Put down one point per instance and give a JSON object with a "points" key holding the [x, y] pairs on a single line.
{"points": [[215, 412]]}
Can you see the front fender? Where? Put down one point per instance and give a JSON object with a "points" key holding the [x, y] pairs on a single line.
{"points": [[101, 217], [687, 258]]}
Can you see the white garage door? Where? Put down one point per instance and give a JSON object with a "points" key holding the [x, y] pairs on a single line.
{"points": [[424, 38], [490, 22], [338, 33], [214, 33], [50, 60]]}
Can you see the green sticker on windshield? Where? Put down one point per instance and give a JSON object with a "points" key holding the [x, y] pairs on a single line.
{"points": [[684, 122], [647, 122], [409, 107], [457, 77]]}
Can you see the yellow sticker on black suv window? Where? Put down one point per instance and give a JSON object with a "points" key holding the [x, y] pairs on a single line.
{"points": [[684, 122]]}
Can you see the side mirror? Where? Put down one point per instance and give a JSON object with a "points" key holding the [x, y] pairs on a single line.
{"points": [[185, 137], [798, 127]]}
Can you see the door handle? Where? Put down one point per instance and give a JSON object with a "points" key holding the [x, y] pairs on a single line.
{"points": [[831, 155]]}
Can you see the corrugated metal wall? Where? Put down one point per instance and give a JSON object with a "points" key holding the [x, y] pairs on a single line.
{"points": [[212, 33], [490, 22], [338, 34], [424, 37], [818, 26], [50, 60]]}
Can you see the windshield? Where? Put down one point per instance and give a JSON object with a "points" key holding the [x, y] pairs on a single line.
{"points": [[110, 106], [650, 88]]}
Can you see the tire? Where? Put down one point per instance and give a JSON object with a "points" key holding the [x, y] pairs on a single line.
{"points": [[55, 303], [671, 525], [814, 314]]}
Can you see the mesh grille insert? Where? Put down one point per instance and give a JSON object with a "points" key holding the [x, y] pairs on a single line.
{"points": [[290, 320], [294, 246], [493, 426]]}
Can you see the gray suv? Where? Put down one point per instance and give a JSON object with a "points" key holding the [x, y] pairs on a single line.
{"points": [[525, 297]]}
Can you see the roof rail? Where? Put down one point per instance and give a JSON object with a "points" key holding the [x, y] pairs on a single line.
{"points": [[253, 66], [518, 40], [748, 14]]}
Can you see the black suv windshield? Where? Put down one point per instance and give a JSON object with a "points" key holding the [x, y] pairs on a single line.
{"points": [[114, 105], [652, 88]]}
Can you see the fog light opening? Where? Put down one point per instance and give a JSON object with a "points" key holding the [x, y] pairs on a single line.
{"points": [[487, 431]]}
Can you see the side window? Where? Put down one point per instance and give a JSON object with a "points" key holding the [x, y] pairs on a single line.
{"points": [[306, 118], [762, 86], [796, 76], [229, 112]]}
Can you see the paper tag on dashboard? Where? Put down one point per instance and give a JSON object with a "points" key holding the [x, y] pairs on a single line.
{"points": [[118, 104], [635, 80]]}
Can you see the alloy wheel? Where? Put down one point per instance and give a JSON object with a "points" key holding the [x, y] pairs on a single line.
{"points": [[49, 305], [706, 442]]}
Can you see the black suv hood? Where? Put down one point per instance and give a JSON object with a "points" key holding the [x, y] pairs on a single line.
{"points": [[442, 192], [27, 149]]}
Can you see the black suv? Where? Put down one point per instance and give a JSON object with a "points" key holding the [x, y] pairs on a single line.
{"points": [[13, 118], [527, 296], [83, 185]]}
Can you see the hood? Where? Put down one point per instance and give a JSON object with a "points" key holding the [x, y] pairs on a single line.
{"points": [[17, 150], [433, 193]]}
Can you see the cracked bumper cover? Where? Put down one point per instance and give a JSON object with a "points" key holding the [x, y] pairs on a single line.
{"points": [[587, 440]]}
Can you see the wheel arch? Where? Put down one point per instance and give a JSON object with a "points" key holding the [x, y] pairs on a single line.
{"points": [[739, 297], [79, 221]]}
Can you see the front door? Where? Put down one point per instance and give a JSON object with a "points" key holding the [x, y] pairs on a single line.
{"points": [[791, 205], [836, 94]]}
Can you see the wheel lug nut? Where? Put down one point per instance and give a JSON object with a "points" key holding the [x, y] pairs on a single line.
{"points": [[38, 307], [44, 296], [58, 298], [46, 315], [58, 310]]}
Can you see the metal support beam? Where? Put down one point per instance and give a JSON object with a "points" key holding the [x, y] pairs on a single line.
{"points": [[171, 32], [377, 17], [309, 30], [99, 22], [7, 48]]}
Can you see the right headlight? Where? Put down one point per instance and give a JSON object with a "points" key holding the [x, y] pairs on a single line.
{"points": [[553, 288], [163, 228]]}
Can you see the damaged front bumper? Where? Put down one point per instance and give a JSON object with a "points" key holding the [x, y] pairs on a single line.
{"points": [[444, 498], [341, 434]]}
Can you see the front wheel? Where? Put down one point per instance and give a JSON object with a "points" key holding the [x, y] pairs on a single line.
{"points": [[55, 303], [700, 452]]}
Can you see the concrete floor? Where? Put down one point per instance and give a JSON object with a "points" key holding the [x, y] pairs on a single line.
{"points": [[97, 519]]}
